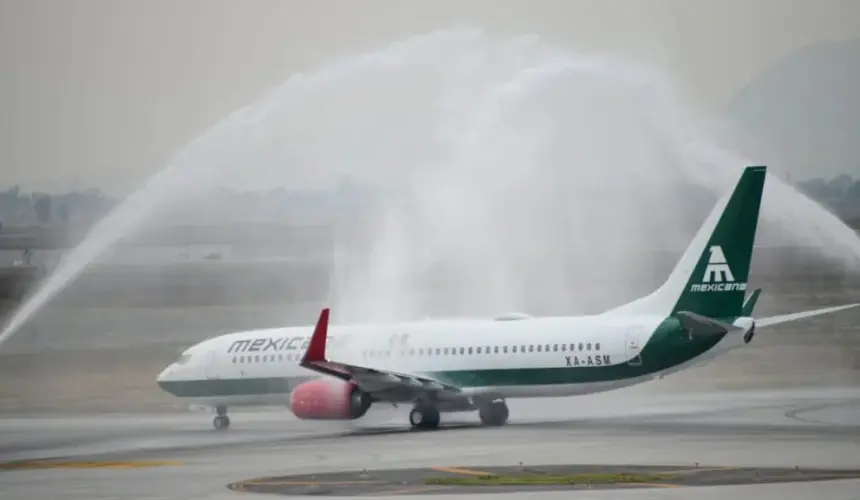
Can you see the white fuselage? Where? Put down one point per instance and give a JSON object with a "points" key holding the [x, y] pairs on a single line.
{"points": [[509, 349]]}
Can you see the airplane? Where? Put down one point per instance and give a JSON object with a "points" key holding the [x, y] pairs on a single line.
{"points": [[336, 372]]}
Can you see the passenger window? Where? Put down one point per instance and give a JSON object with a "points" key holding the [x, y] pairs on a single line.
{"points": [[256, 359], [505, 349], [412, 352], [597, 346], [462, 351], [580, 346], [588, 346], [563, 347], [496, 349], [514, 348], [478, 350], [538, 348], [531, 348], [470, 350]]}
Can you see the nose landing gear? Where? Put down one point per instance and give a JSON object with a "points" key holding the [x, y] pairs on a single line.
{"points": [[221, 421]]}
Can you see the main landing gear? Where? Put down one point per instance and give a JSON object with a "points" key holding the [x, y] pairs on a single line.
{"points": [[494, 414], [221, 422], [426, 416]]}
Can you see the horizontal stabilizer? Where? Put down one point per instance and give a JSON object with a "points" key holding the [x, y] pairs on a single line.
{"points": [[785, 318], [702, 326]]}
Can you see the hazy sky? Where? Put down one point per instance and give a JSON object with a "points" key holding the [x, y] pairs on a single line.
{"points": [[101, 92]]}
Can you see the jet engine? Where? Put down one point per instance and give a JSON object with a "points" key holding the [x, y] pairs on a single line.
{"points": [[329, 399]]}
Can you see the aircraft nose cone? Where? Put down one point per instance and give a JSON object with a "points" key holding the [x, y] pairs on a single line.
{"points": [[163, 379]]}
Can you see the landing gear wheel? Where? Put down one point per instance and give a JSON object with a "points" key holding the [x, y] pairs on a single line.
{"points": [[494, 414], [424, 417], [221, 422]]}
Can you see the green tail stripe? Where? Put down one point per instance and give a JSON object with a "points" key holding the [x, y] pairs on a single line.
{"points": [[717, 285], [749, 305]]}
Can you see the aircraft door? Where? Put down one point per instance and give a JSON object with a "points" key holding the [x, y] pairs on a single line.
{"points": [[210, 365], [633, 348]]}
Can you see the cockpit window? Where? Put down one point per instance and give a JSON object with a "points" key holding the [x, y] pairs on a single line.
{"points": [[183, 359]]}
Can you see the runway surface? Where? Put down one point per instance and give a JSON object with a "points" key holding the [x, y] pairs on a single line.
{"points": [[180, 457]]}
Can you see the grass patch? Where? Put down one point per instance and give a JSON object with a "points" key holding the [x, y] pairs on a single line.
{"points": [[547, 479]]}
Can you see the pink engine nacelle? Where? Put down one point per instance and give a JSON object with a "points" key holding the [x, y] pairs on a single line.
{"points": [[329, 399]]}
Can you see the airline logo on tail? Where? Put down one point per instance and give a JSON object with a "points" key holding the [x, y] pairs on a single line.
{"points": [[718, 275]]}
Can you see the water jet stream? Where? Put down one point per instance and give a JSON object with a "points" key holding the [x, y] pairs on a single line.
{"points": [[506, 169]]}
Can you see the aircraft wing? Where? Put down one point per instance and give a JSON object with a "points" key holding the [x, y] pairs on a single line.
{"points": [[785, 318], [368, 379]]}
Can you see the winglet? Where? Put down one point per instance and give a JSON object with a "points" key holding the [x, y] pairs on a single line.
{"points": [[316, 348]]}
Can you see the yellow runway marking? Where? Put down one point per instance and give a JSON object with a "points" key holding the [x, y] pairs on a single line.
{"points": [[61, 464], [464, 472], [276, 482], [410, 491], [654, 485]]}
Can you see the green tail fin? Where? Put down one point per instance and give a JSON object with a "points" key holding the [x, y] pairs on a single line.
{"points": [[711, 277], [749, 305], [717, 285]]}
